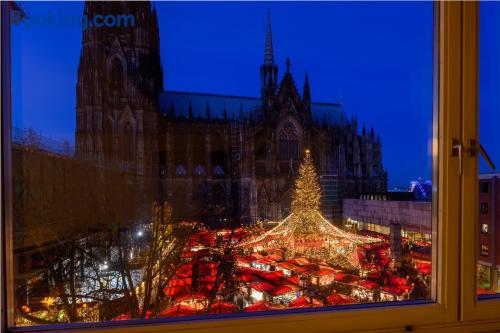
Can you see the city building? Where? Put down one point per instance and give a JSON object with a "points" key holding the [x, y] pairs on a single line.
{"points": [[488, 252], [399, 216]]}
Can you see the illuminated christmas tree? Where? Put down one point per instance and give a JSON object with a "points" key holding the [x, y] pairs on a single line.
{"points": [[307, 198], [306, 232]]}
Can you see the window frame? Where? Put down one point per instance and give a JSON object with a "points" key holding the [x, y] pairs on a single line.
{"points": [[443, 311], [472, 308]]}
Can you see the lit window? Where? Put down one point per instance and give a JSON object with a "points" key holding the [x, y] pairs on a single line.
{"points": [[484, 250]]}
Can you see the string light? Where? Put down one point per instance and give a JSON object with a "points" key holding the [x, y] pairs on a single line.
{"points": [[305, 231]]}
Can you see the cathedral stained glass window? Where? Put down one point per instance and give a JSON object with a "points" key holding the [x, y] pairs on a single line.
{"points": [[218, 170], [288, 141], [200, 170], [128, 143], [116, 75], [180, 170]]}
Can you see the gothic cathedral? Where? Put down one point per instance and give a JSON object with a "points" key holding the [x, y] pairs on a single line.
{"points": [[215, 158]]}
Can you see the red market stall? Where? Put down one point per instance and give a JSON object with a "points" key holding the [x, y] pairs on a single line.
{"points": [[178, 311], [219, 307], [261, 306], [305, 302]]}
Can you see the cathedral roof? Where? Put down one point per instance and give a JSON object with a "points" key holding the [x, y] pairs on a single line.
{"points": [[287, 88], [235, 106]]}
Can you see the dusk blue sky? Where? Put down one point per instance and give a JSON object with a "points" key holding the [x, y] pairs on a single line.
{"points": [[375, 57]]}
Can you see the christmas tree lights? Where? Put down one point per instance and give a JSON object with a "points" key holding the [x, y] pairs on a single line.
{"points": [[305, 231]]}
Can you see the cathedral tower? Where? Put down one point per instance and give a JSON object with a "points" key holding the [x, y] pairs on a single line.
{"points": [[119, 80], [268, 70]]}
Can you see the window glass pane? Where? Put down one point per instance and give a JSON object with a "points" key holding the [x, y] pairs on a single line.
{"points": [[192, 159], [489, 182]]}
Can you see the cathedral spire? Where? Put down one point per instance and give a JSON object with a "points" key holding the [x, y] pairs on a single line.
{"points": [[288, 64], [268, 70], [269, 53], [306, 94], [307, 89]]}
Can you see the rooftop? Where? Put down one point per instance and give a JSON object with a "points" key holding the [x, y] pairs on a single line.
{"points": [[236, 107]]}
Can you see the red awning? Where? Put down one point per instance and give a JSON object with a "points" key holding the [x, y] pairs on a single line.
{"points": [[260, 306], [262, 286], [284, 289], [337, 299], [304, 302], [397, 281], [346, 278], [367, 284], [190, 296], [223, 307], [178, 311]]}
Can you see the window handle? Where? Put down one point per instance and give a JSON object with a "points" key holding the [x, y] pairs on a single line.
{"points": [[456, 151], [475, 147]]}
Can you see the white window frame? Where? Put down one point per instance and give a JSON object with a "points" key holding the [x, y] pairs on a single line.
{"points": [[472, 308]]}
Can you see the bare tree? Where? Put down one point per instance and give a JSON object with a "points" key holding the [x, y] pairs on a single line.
{"points": [[163, 255]]}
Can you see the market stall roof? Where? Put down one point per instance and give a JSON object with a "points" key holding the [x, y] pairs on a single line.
{"points": [[292, 280], [178, 311], [337, 299], [303, 302], [346, 278], [323, 272], [284, 289], [223, 307], [127, 316], [367, 284], [300, 261], [424, 267], [190, 296], [396, 290], [274, 277], [261, 306], [373, 275], [262, 286], [287, 265]]}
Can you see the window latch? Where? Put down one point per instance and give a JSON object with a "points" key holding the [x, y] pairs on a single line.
{"points": [[474, 147], [456, 151]]}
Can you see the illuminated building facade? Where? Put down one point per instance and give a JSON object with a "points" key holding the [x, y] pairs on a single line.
{"points": [[488, 252]]}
